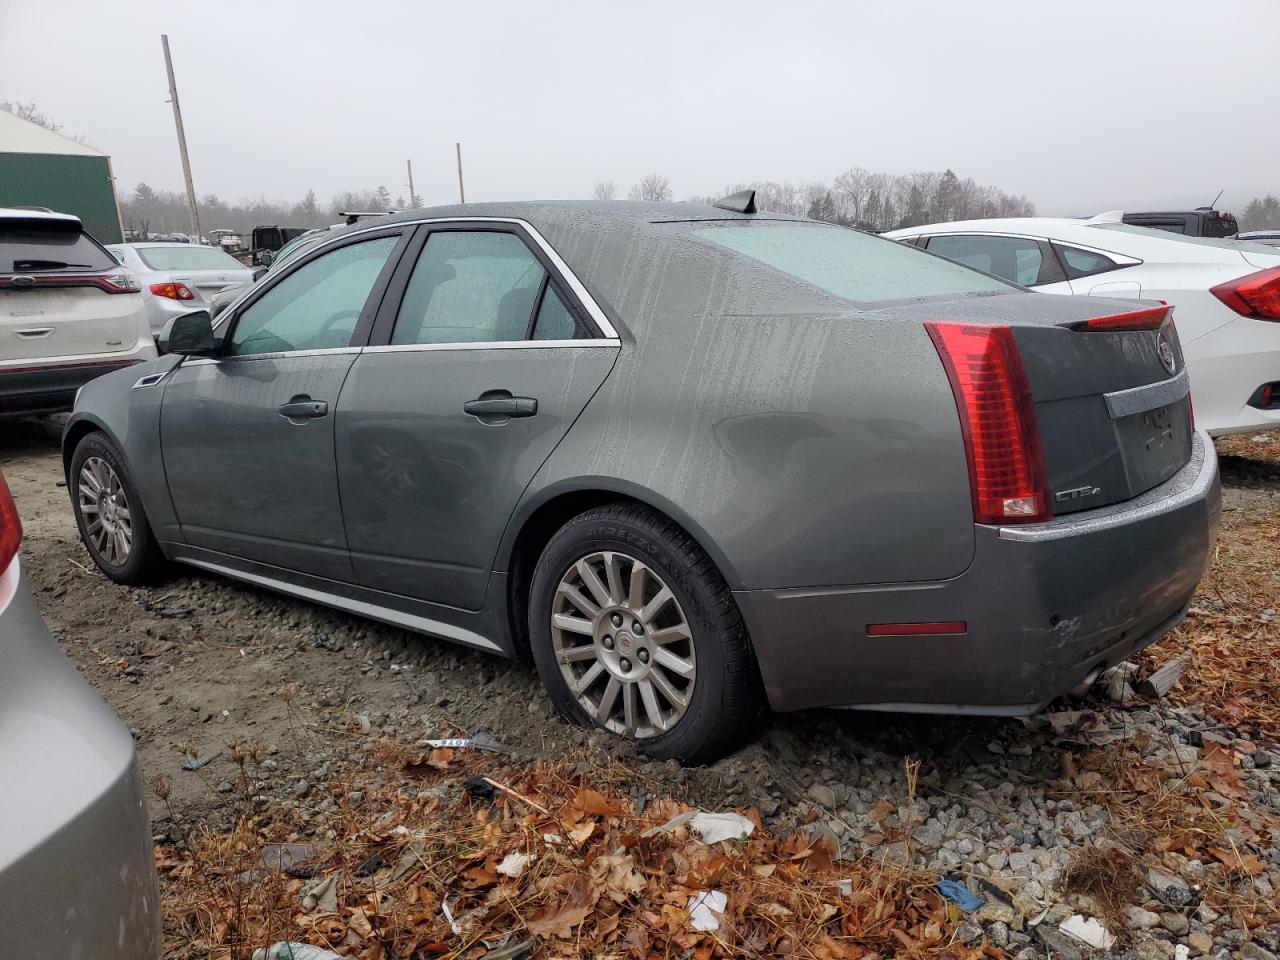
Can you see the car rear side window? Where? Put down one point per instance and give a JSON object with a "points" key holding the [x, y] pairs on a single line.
{"points": [[315, 307], [33, 247], [1083, 263], [847, 263], [555, 321], [469, 287], [1014, 258]]}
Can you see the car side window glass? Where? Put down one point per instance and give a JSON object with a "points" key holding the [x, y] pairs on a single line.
{"points": [[469, 287], [554, 322], [316, 306], [1011, 258], [1083, 263]]}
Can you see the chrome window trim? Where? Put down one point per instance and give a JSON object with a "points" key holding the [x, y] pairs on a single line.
{"points": [[491, 345], [278, 355], [362, 608]]}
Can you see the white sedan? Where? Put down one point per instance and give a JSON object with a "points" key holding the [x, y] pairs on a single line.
{"points": [[177, 278], [1226, 295]]}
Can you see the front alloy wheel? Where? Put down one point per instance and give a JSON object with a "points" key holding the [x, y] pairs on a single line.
{"points": [[108, 524], [623, 644], [109, 513]]}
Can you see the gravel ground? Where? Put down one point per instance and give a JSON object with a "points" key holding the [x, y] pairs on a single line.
{"points": [[1012, 808]]}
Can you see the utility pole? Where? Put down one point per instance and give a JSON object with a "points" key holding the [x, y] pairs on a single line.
{"points": [[462, 194], [182, 137], [413, 197]]}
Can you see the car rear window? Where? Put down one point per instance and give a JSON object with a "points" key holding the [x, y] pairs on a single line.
{"points": [[32, 247], [1226, 243], [187, 258], [850, 264]]}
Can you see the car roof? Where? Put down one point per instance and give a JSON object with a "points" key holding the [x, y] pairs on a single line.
{"points": [[149, 244], [13, 213]]}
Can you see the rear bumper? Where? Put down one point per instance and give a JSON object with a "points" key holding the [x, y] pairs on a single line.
{"points": [[1045, 604], [77, 875], [1227, 366], [51, 387]]}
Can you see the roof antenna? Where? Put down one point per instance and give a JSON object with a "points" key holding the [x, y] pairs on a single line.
{"points": [[744, 201], [1216, 199]]}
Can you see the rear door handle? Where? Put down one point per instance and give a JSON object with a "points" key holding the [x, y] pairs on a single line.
{"points": [[304, 408], [500, 404]]}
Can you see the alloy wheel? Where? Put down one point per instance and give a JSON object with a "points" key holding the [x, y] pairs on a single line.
{"points": [[623, 644], [108, 524]]}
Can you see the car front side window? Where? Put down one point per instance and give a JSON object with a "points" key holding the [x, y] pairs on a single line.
{"points": [[316, 306], [1012, 258]]}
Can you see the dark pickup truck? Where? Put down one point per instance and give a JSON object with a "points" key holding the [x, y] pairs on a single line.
{"points": [[1200, 222]]}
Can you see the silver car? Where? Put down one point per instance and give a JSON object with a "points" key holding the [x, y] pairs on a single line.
{"points": [[177, 278], [77, 877]]}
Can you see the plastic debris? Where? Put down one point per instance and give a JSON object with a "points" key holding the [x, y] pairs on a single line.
{"points": [[710, 827], [514, 864], [1090, 931], [287, 950], [481, 741], [204, 761], [706, 909], [454, 925], [322, 895], [960, 895]]}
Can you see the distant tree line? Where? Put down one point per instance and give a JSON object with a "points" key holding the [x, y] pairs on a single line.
{"points": [[165, 211], [1262, 213]]}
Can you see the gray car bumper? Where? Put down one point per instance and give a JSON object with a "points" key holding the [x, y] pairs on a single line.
{"points": [[1045, 604], [77, 875]]}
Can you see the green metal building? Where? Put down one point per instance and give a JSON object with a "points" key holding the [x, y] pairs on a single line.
{"points": [[40, 168]]}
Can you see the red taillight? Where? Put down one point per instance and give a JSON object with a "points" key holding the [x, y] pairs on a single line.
{"points": [[1148, 318], [174, 291], [1001, 435], [118, 280], [1255, 295], [10, 527]]}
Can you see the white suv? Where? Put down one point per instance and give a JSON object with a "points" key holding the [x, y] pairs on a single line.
{"points": [[68, 312]]}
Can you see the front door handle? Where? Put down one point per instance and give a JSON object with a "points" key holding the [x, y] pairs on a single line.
{"points": [[500, 405], [303, 408]]}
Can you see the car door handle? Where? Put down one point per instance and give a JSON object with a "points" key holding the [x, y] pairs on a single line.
{"points": [[304, 408], [500, 404]]}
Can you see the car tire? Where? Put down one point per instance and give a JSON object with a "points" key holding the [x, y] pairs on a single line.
{"points": [[713, 671], [97, 461]]}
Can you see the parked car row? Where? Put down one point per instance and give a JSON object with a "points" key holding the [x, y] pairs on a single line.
{"points": [[690, 460]]}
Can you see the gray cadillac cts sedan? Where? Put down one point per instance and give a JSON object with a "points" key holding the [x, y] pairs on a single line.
{"points": [[690, 459]]}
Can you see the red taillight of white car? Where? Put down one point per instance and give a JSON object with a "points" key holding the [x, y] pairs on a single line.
{"points": [[997, 416], [118, 280], [10, 527], [173, 291], [1255, 295]]}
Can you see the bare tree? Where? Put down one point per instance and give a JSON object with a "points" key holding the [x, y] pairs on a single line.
{"points": [[28, 111], [605, 190], [653, 187]]}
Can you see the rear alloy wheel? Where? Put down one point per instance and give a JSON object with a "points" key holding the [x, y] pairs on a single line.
{"points": [[109, 512], [623, 644], [634, 630]]}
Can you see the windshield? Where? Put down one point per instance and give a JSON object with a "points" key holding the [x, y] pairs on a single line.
{"points": [[850, 264], [1220, 242], [187, 258]]}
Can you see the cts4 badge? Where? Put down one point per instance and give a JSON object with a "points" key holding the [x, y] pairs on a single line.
{"points": [[1165, 352], [1076, 493]]}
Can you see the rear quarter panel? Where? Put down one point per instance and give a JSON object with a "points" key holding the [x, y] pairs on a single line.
{"points": [[799, 450]]}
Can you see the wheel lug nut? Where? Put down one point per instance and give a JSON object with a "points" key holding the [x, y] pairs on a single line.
{"points": [[608, 642], [637, 628], [617, 620], [625, 664], [644, 656]]}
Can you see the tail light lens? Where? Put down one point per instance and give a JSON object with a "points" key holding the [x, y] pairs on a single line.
{"points": [[118, 280], [174, 291], [1149, 318], [1001, 435], [10, 527], [1255, 295]]}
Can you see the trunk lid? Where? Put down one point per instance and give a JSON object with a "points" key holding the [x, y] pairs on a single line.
{"points": [[1112, 406]]}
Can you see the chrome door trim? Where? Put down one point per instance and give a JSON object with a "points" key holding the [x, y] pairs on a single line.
{"points": [[373, 611], [491, 345], [320, 352]]}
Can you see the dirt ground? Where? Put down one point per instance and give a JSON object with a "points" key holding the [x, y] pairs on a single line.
{"points": [[199, 663]]}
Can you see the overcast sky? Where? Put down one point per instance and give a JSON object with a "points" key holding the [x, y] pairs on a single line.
{"points": [[1081, 106]]}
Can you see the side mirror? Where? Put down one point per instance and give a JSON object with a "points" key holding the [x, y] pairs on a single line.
{"points": [[190, 334]]}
